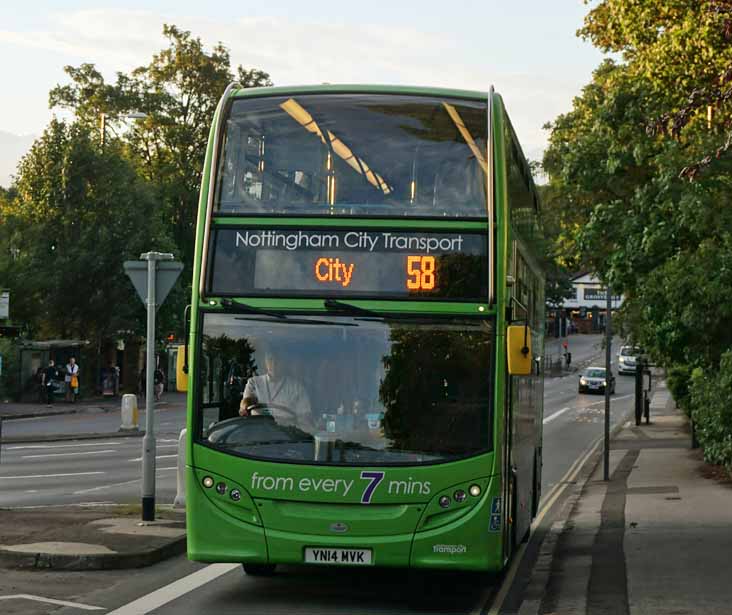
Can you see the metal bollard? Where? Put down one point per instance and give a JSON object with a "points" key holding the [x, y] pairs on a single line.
{"points": [[130, 415], [180, 496]]}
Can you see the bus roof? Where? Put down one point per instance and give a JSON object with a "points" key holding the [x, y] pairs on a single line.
{"points": [[350, 88]]}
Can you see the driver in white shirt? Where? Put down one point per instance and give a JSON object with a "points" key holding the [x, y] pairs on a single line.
{"points": [[282, 396]]}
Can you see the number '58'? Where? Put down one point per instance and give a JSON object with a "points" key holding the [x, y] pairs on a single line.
{"points": [[420, 272]]}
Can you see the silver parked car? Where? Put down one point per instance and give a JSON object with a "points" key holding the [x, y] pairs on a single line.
{"points": [[628, 358]]}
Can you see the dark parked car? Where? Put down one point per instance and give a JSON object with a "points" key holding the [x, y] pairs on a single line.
{"points": [[593, 380]]}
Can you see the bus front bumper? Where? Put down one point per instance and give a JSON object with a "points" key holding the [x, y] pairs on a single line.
{"points": [[467, 543]]}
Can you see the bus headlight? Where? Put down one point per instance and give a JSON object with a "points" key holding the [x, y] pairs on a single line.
{"points": [[474, 490], [444, 501], [459, 496], [235, 495], [221, 488], [207, 482]]}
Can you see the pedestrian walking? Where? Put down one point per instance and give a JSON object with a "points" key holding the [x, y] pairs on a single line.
{"points": [[142, 382], [159, 383], [72, 380], [39, 378], [50, 375]]}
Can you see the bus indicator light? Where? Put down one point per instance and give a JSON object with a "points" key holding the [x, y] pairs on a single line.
{"points": [[421, 272]]}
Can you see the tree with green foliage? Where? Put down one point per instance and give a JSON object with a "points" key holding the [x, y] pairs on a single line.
{"points": [[78, 214], [622, 159], [178, 92]]}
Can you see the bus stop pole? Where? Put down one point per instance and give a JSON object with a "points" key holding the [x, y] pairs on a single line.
{"points": [[148, 442], [608, 374]]}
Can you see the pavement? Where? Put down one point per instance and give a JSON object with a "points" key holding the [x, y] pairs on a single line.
{"points": [[16, 410], [87, 419], [654, 539], [89, 538], [85, 536]]}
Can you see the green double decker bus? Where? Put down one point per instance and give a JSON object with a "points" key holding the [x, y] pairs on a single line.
{"points": [[365, 382]]}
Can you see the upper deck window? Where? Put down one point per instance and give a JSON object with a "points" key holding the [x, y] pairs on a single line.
{"points": [[354, 154]]}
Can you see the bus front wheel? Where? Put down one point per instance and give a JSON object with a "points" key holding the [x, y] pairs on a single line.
{"points": [[259, 570]]}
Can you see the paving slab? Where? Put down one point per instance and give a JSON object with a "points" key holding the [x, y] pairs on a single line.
{"points": [[74, 538], [655, 539]]}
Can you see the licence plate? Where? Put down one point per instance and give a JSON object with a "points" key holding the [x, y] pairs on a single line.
{"points": [[348, 557], [594, 386]]}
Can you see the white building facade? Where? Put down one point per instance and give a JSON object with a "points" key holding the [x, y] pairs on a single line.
{"points": [[590, 293]]}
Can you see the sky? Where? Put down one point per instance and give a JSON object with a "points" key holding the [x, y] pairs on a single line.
{"points": [[526, 49]]}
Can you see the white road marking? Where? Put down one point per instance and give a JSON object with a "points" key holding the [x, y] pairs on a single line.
{"points": [[82, 504], [32, 418], [612, 399], [551, 417], [174, 590], [102, 487], [67, 454], [76, 605], [127, 482], [156, 457], [50, 475], [44, 446]]}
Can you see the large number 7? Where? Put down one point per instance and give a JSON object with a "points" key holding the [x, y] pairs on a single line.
{"points": [[375, 478]]}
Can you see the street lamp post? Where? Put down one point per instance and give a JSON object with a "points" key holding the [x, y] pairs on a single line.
{"points": [[608, 375]]}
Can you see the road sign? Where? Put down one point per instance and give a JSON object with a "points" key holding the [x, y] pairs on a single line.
{"points": [[167, 273]]}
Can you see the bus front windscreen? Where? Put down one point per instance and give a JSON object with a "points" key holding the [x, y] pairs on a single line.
{"points": [[354, 154], [345, 390]]}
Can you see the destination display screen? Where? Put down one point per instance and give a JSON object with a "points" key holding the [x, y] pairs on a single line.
{"points": [[355, 263]]}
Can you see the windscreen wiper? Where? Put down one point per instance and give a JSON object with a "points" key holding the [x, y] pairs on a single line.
{"points": [[245, 308], [332, 305]]}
